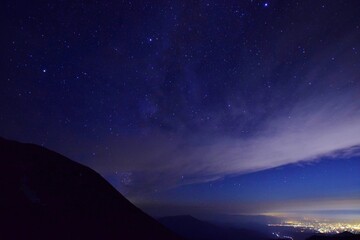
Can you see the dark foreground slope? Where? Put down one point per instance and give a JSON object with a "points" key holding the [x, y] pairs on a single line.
{"points": [[340, 236], [194, 229], [44, 195]]}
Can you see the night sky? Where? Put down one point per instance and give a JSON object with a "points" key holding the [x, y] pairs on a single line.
{"points": [[239, 107]]}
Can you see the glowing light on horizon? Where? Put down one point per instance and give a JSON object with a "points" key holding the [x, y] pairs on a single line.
{"points": [[320, 226]]}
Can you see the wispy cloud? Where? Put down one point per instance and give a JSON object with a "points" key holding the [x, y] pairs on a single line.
{"points": [[312, 129], [323, 121]]}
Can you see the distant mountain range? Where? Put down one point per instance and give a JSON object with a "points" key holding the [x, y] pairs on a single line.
{"points": [[45, 195], [195, 229], [340, 236]]}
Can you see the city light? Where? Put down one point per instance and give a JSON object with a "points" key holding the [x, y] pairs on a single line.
{"points": [[320, 226]]}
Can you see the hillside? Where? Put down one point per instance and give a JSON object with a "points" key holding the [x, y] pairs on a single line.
{"points": [[45, 195]]}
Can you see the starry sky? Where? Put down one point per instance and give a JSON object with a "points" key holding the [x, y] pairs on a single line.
{"points": [[239, 107]]}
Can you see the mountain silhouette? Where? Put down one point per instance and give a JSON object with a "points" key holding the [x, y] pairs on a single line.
{"points": [[194, 229], [45, 195], [341, 236]]}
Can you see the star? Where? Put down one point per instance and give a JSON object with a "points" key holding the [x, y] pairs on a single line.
{"points": [[203, 92]]}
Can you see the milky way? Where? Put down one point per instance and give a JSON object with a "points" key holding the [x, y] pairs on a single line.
{"points": [[172, 100]]}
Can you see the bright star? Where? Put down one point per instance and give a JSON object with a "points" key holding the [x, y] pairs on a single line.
{"points": [[266, 4]]}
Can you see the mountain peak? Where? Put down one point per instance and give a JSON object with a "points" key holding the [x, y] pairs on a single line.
{"points": [[48, 196]]}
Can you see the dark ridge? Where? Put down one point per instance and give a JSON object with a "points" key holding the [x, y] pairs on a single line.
{"points": [[195, 229], [45, 195], [341, 236]]}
